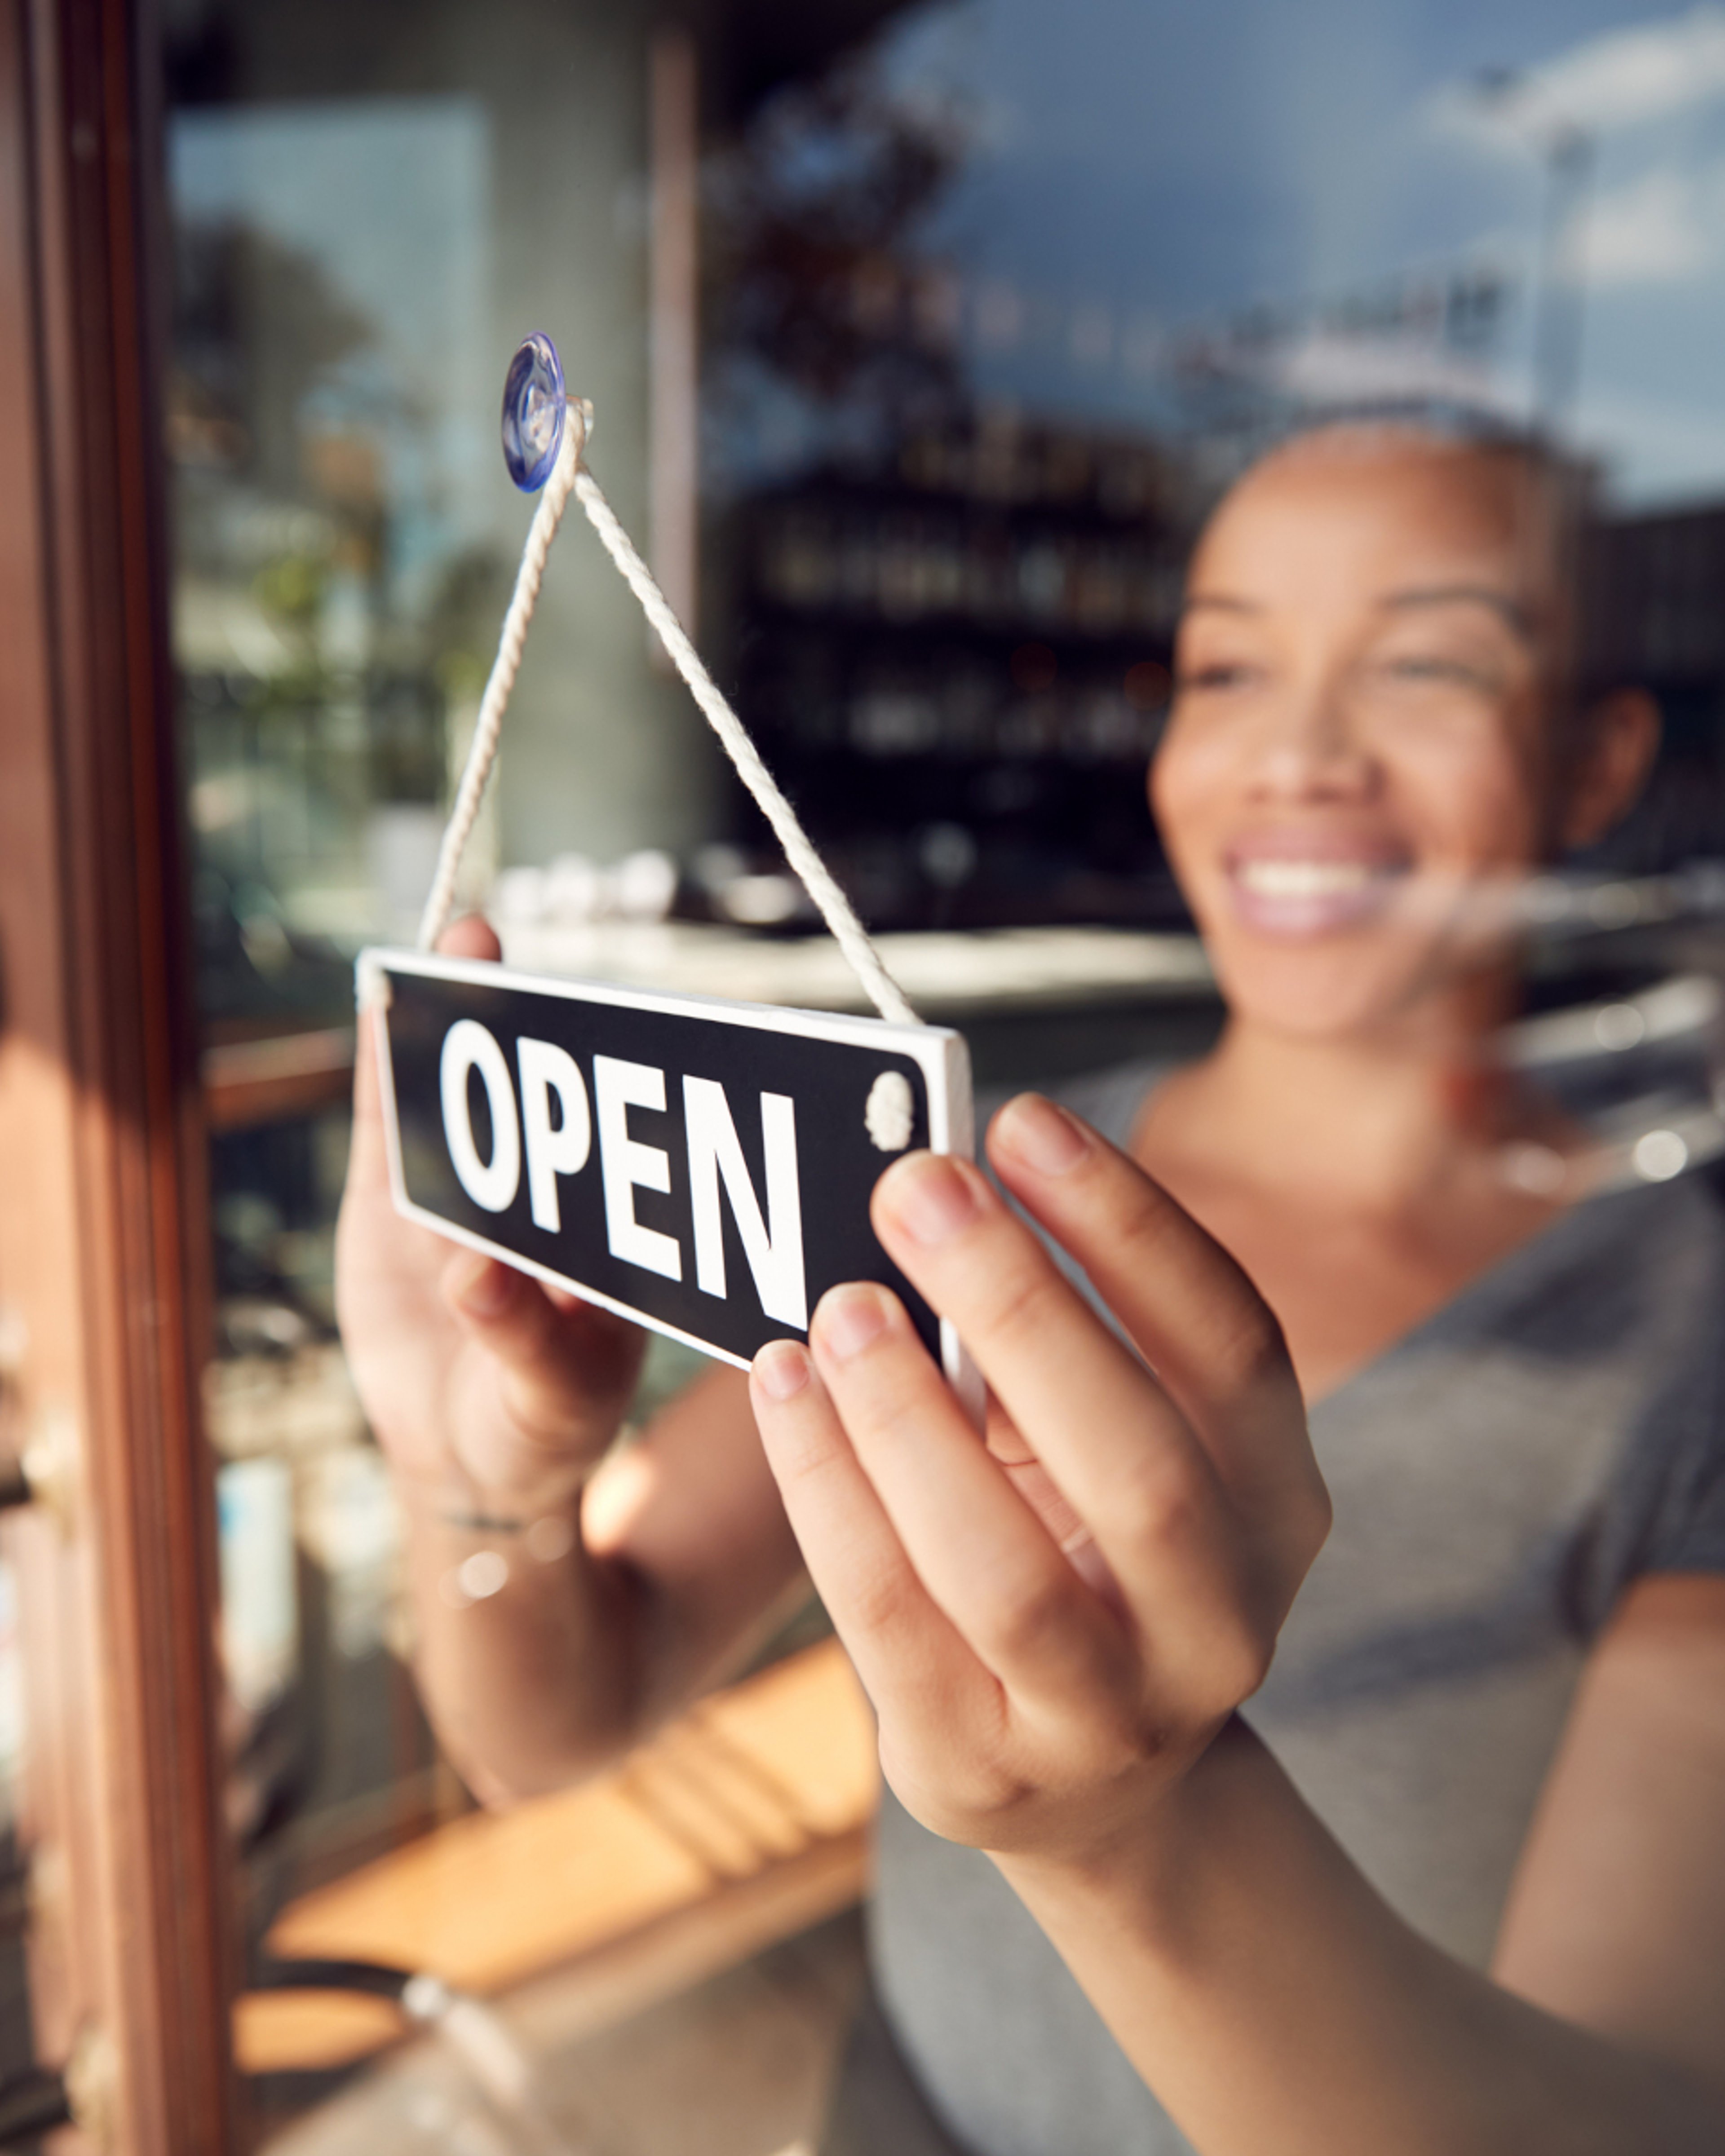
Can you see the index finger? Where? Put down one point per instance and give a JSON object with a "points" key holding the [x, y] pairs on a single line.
{"points": [[1201, 1325], [1165, 1493], [1090, 1410]]}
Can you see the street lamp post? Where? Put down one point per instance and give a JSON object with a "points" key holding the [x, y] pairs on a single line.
{"points": [[1558, 324], [1566, 150]]}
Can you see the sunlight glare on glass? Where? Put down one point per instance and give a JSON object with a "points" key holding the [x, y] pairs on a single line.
{"points": [[1660, 1155]]}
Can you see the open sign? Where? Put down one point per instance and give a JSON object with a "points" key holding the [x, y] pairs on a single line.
{"points": [[702, 1166]]}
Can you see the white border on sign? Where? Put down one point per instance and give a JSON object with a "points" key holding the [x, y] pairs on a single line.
{"points": [[941, 1055]]}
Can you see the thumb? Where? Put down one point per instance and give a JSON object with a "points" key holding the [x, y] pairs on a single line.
{"points": [[471, 937]]}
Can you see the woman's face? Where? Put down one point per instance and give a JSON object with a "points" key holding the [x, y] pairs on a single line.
{"points": [[1358, 759]]}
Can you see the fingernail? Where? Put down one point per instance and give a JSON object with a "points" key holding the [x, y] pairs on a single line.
{"points": [[1041, 1134], [849, 1318], [486, 1289], [929, 1196], [781, 1369]]}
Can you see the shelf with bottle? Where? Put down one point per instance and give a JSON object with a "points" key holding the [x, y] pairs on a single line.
{"points": [[989, 522], [998, 453], [967, 637], [1003, 702], [883, 561]]}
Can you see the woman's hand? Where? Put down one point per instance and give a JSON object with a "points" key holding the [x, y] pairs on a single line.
{"points": [[484, 1387], [1052, 1629], [614, 1585]]}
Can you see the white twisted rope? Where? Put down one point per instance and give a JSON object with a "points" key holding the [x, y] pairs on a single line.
{"points": [[482, 752], [571, 474], [817, 878]]}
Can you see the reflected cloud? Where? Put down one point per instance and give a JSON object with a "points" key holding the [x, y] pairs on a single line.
{"points": [[1324, 367], [1622, 79], [1630, 77], [1654, 230]]}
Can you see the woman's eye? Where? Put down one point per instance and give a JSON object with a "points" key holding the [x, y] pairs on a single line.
{"points": [[1423, 667], [1219, 674]]}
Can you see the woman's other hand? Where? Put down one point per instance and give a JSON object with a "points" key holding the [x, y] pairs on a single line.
{"points": [[479, 1382], [1055, 1627]]}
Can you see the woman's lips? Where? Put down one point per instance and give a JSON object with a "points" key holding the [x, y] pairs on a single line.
{"points": [[1312, 895]]}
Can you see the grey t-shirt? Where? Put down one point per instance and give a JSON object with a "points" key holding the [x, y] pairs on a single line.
{"points": [[1498, 1476]]}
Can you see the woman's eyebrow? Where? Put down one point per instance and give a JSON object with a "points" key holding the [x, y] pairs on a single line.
{"points": [[1222, 601], [1508, 610]]}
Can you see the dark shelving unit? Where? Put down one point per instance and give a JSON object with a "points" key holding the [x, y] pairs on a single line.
{"points": [[958, 658]]}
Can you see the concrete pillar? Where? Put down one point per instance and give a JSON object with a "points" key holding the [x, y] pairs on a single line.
{"points": [[601, 752]]}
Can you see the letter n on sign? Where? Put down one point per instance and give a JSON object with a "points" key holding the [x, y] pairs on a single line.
{"points": [[704, 1167]]}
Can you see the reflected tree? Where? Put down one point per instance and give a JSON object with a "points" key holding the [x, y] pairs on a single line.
{"points": [[818, 275]]}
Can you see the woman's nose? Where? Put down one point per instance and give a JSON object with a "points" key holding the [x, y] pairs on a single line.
{"points": [[1311, 747]]}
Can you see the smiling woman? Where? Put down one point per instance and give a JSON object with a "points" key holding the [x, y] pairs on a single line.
{"points": [[1383, 721], [1295, 1277], [1381, 730], [1383, 727]]}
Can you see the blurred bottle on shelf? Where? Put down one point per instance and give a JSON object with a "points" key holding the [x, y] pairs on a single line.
{"points": [[972, 632]]}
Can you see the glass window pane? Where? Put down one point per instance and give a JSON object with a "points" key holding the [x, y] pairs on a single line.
{"points": [[921, 346]]}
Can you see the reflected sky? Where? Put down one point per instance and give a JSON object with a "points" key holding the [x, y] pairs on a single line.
{"points": [[1160, 164]]}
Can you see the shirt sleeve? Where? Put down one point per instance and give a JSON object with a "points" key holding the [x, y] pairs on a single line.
{"points": [[1694, 1541], [1688, 1532]]}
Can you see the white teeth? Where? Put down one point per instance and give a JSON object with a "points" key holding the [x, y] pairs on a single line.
{"points": [[1273, 879]]}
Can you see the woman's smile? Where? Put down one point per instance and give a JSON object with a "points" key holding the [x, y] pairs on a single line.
{"points": [[1299, 884]]}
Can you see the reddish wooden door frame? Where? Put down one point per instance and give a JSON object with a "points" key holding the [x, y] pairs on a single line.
{"points": [[103, 1242]]}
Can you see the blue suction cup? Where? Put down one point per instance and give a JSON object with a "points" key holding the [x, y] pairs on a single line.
{"points": [[534, 403]]}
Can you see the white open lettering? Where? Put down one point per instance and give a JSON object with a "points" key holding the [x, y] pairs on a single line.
{"points": [[774, 1248], [547, 1068], [617, 1086]]}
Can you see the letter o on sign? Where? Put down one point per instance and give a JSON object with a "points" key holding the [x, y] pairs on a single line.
{"points": [[493, 1183]]}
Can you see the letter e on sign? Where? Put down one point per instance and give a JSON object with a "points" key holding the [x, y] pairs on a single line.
{"points": [[626, 1165]]}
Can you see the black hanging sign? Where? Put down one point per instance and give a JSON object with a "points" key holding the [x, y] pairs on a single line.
{"points": [[702, 1166]]}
